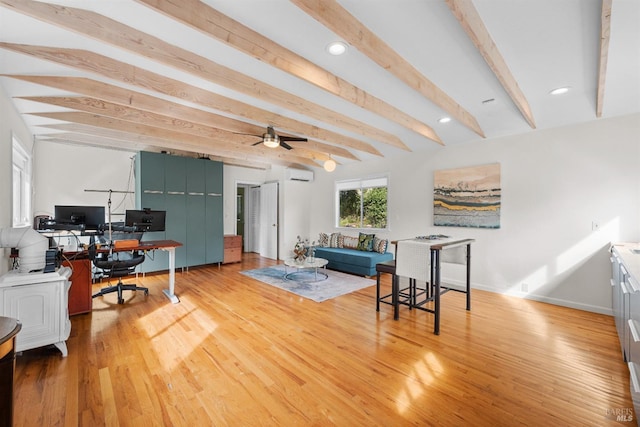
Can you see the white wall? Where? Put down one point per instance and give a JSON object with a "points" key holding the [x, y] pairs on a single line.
{"points": [[10, 125], [554, 184], [63, 172]]}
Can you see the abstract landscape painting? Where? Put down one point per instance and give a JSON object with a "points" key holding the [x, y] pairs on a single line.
{"points": [[467, 197]]}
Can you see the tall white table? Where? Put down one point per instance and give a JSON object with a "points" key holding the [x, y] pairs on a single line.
{"points": [[435, 249]]}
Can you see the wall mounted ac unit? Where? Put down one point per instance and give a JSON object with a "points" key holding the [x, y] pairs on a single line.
{"points": [[299, 175]]}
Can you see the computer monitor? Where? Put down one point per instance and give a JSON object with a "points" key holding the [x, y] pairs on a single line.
{"points": [[84, 217], [145, 220]]}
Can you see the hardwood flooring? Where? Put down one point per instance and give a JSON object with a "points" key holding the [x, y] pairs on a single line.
{"points": [[238, 352]]}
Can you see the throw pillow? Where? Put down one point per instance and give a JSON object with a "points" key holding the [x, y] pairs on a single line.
{"points": [[380, 245], [365, 242], [323, 240], [333, 240], [350, 242]]}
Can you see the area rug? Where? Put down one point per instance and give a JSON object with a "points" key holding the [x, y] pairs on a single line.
{"points": [[335, 285]]}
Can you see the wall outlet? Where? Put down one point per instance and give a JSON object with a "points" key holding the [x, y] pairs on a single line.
{"points": [[595, 226]]}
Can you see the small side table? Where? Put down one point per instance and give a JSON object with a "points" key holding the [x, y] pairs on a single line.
{"points": [[308, 265], [9, 328]]}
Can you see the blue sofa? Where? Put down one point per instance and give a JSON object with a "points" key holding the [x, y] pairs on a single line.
{"points": [[352, 261]]}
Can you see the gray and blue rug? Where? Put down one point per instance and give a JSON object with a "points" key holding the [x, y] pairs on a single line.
{"points": [[335, 285]]}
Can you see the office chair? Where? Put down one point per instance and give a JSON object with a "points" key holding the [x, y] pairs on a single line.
{"points": [[117, 264]]}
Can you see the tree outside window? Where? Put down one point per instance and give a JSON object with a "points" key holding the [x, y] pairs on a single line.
{"points": [[362, 203]]}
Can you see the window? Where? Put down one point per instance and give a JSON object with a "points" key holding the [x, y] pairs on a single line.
{"points": [[21, 160], [362, 203]]}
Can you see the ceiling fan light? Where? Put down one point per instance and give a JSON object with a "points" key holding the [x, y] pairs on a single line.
{"points": [[270, 140], [330, 165], [337, 48]]}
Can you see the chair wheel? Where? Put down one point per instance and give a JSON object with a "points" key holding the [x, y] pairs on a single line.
{"points": [[146, 292]]}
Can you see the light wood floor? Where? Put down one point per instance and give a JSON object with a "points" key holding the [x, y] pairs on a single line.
{"points": [[238, 352]]}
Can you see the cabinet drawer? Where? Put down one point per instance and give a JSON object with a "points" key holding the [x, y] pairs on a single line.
{"points": [[232, 242], [232, 255]]}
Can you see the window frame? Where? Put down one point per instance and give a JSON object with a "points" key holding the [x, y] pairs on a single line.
{"points": [[21, 191], [360, 184]]}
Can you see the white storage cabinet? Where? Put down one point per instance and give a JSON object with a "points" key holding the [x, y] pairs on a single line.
{"points": [[40, 302]]}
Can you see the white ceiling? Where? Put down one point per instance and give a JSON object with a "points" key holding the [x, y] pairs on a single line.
{"points": [[545, 43]]}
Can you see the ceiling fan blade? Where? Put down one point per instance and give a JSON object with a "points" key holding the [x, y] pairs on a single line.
{"points": [[285, 145], [292, 138], [247, 134]]}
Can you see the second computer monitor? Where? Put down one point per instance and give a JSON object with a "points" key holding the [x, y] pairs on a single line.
{"points": [[145, 220]]}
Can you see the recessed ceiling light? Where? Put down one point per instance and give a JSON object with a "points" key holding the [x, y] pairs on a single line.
{"points": [[560, 90], [444, 120], [337, 48]]}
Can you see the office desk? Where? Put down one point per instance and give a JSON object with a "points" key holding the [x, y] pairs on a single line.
{"points": [[169, 246], [149, 245], [435, 248]]}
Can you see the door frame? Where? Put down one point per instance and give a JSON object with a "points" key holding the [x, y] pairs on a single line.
{"points": [[247, 245]]}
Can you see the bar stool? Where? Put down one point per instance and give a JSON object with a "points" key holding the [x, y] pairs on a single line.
{"points": [[385, 267]]}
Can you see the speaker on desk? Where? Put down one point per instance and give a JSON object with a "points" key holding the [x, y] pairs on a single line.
{"points": [[51, 261]]}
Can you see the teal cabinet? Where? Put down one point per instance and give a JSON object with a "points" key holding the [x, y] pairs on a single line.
{"points": [[150, 194], [196, 212], [190, 191], [214, 224], [175, 185]]}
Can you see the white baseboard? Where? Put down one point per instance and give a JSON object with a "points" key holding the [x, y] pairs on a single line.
{"points": [[457, 284]]}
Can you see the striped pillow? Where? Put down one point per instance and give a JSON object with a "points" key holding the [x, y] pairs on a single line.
{"points": [[380, 245], [333, 240], [350, 242]]}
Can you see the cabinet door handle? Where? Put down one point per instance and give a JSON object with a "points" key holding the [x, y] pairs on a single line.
{"points": [[153, 191], [624, 288], [634, 377], [195, 194], [634, 330], [176, 193], [214, 194]]}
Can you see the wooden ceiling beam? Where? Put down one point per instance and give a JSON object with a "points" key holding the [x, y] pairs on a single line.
{"points": [[340, 21], [169, 113], [134, 146], [112, 32], [137, 140], [103, 108], [471, 22], [197, 142], [129, 74], [211, 22], [605, 30]]}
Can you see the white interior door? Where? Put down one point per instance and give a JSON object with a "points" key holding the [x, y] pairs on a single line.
{"points": [[253, 221], [269, 220]]}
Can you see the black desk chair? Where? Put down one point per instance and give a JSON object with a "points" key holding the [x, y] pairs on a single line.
{"points": [[118, 264]]}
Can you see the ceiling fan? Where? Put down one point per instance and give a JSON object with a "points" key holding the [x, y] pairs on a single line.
{"points": [[272, 140]]}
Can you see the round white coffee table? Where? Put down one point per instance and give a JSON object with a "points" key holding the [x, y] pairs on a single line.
{"points": [[310, 265]]}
